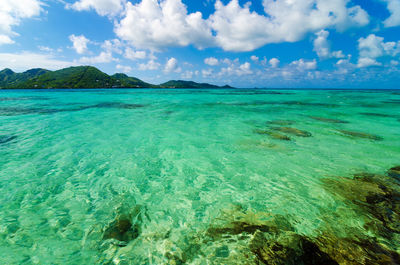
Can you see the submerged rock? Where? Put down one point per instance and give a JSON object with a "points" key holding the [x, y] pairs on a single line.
{"points": [[292, 131], [328, 120], [122, 230], [361, 135], [237, 221], [288, 249], [394, 172], [377, 196], [356, 250], [376, 114], [118, 105], [270, 239], [125, 228], [281, 122], [7, 138], [274, 135]]}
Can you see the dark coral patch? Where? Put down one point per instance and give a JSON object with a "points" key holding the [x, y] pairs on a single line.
{"points": [[328, 120], [7, 138], [281, 122], [118, 105], [361, 135], [292, 131], [274, 135], [376, 114], [288, 249], [122, 230]]}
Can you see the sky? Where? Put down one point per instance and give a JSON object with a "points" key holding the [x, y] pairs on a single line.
{"points": [[259, 43]]}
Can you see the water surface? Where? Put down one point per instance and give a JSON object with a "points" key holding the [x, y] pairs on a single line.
{"points": [[140, 176]]}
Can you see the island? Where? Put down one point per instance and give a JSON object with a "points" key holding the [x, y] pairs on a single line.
{"points": [[83, 77]]}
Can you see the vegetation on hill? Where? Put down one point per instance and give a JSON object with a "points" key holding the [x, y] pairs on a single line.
{"points": [[82, 77], [188, 84]]}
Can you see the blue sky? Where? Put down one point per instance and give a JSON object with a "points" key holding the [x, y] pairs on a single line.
{"points": [[264, 43]]}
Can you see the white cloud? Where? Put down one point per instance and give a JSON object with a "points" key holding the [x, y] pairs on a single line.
{"points": [[344, 66], [172, 66], [229, 61], [103, 57], [394, 8], [207, 72], [322, 46], [114, 45], [366, 62], [373, 47], [187, 75], [134, 55], [254, 58], [236, 69], [150, 65], [102, 7], [303, 65], [157, 24], [274, 62], [154, 25], [11, 14], [239, 29], [124, 68], [211, 61], [45, 49], [28, 60], [79, 43], [394, 63], [4, 39]]}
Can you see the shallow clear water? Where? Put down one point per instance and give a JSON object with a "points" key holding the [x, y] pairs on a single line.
{"points": [[71, 161]]}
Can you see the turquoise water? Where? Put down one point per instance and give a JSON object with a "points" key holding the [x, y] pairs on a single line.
{"points": [[174, 162]]}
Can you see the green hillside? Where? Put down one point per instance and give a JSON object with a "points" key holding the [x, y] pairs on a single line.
{"points": [[9, 78], [186, 84], [82, 77]]}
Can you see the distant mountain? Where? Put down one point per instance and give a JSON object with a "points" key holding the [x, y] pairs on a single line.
{"points": [[82, 77], [8, 78], [127, 81], [189, 84]]}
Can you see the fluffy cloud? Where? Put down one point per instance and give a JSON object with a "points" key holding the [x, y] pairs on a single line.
{"points": [[322, 46], [303, 65], [124, 68], [79, 43], [155, 25], [172, 66], [150, 65], [4, 39], [114, 45], [274, 62], [211, 61], [373, 47], [134, 55], [239, 29], [103, 57], [27, 60], [189, 74], [394, 9], [207, 72], [366, 62], [254, 58], [11, 14], [102, 7], [236, 69]]}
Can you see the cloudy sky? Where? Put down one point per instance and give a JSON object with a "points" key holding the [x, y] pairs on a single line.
{"points": [[258, 43]]}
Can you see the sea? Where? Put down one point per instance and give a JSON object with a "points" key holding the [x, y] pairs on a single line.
{"points": [[199, 176]]}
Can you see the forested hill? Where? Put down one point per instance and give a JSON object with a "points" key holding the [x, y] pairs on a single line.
{"points": [[82, 77]]}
